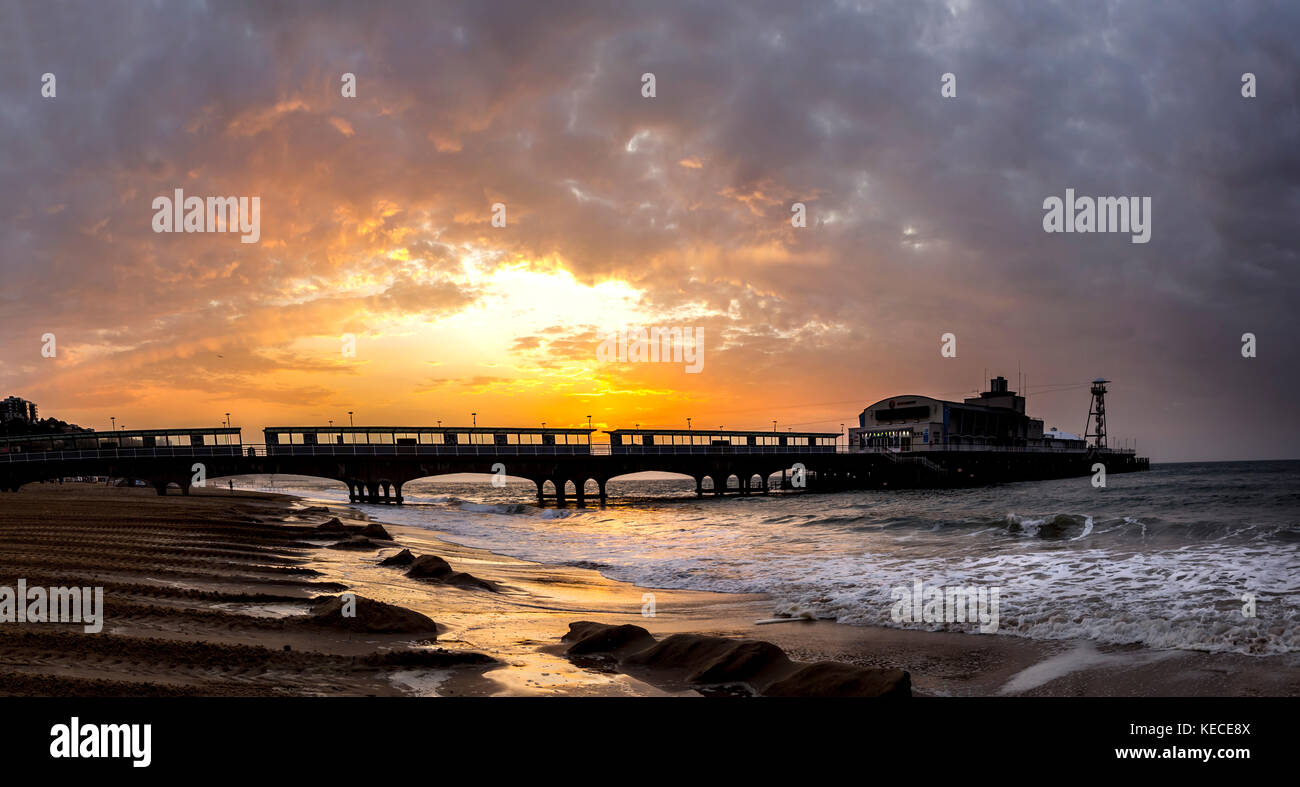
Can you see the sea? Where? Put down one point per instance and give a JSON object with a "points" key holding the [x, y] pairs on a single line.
{"points": [[1196, 556]]}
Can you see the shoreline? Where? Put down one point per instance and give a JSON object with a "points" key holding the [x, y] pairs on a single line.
{"points": [[211, 594], [940, 663]]}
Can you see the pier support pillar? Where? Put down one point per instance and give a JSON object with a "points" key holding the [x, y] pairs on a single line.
{"points": [[541, 492], [600, 482], [699, 486], [580, 492], [397, 494]]}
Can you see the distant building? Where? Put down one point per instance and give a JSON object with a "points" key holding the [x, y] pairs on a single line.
{"points": [[15, 409], [1055, 438], [994, 418]]}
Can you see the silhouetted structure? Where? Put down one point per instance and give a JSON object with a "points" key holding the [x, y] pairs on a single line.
{"points": [[375, 462], [15, 409], [1096, 430]]}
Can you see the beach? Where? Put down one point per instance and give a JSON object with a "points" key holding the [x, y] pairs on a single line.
{"points": [[212, 594]]}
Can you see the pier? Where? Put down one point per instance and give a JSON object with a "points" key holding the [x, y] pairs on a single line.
{"points": [[375, 463]]}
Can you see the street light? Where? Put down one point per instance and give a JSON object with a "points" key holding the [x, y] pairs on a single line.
{"points": [[774, 426], [350, 418], [227, 420], [113, 418], [474, 418], [688, 424], [588, 422]]}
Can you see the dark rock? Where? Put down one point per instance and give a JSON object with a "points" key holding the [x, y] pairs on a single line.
{"points": [[376, 530], [588, 637], [461, 579], [428, 567], [715, 659], [748, 661], [720, 665], [370, 616], [355, 542], [434, 569], [403, 558], [332, 526]]}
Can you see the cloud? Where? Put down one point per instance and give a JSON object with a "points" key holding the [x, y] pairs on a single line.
{"points": [[924, 213]]}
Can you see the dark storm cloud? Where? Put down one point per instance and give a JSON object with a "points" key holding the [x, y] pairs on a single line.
{"points": [[924, 213]]}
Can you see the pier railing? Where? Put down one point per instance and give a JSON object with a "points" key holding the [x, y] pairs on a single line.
{"points": [[975, 448], [595, 449], [123, 453]]}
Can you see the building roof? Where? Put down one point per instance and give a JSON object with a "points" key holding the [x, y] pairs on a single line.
{"points": [[233, 430], [965, 405], [1059, 435], [722, 432], [427, 429]]}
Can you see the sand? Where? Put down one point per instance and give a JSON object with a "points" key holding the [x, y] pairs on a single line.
{"points": [[209, 595], [236, 593]]}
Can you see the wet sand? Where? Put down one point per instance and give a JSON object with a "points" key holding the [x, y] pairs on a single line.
{"points": [[203, 594], [207, 595]]}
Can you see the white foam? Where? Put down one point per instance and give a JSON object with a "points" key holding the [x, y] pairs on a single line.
{"points": [[1084, 656], [1122, 578]]}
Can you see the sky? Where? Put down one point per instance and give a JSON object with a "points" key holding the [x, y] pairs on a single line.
{"points": [[925, 212]]}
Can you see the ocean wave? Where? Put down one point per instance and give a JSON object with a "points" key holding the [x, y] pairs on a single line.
{"points": [[1156, 559], [494, 508], [1057, 526]]}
